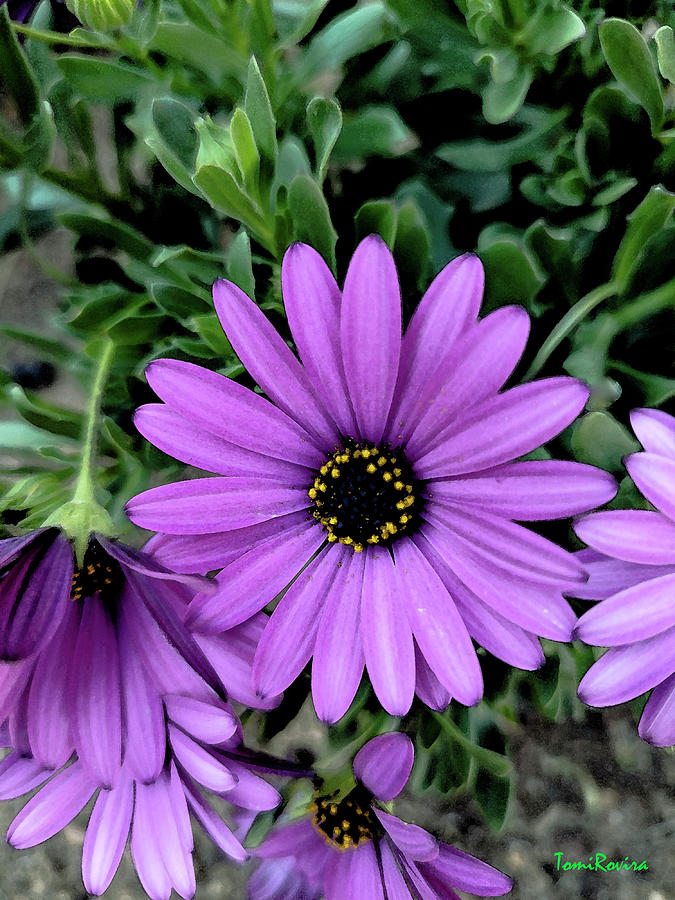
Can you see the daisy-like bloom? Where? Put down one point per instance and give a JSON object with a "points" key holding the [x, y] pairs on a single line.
{"points": [[350, 846], [632, 570], [87, 653], [377, 477]]}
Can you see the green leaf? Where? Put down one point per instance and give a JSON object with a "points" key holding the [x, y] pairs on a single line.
{"points": [[102, 15], [512, 274], [16, 74], [210, 331], [215, 147], [296, 18], [45, 346], [493, 794], [377, 217], [47, 416], [109, 233], [259, 111], [175, 124], [176, 301], [311, 218], [239, 264], [649, 217], [200, 49], [412, 247], [491, 762], [598, 439], [246, 151], [665, 52], [324, 118], [550, 30], [615, 190], [103, 80], [628, 57], [374, 131], [221, 191], [22, 436], [501, 101]]}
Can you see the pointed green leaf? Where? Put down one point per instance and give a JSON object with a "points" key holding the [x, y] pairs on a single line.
{"points": [[324, 118], [650, 216], [501, 101], [175, 124], [259, 111], [245, 151], [103, 80], [239, 265], [665, 51], [311, 218], [377, 217], [628, 57]]}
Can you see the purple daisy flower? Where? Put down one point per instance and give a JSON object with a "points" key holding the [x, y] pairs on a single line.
{"points": [[377, 480], [91, 655], [632, 570], [350, 846]]}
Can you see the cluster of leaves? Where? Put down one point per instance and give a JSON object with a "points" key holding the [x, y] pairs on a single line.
{"points": [[186, 141]]}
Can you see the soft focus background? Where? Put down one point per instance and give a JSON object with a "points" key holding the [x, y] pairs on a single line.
{"points": [[142, 158]]}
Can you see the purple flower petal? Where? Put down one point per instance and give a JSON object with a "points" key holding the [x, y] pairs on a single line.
{"points": [[411, 840], [639, 612], [270, 362], [231, 411], [20, 774], [536, 608], [205, 552], [144, 564], [145, 731], [52, 808], [387, 638], [530, 491], [337, 884], [636, 535], [312, 300], [13, 679], [393, 879], [250, 791], [219, 832], [438, 628], [449, 307], [33, 598], [480, 364], [213, 504], [363, 875], [182, 439], [655, 476], [655, 430], [252, 581], [288, 640], [49, 732], [199, 763], [231, 655], [146, 836], [628, 671], [338, 656], [179, 808], [165, 820], [384, 765], [210, 723], [467, 873], [106, 836], [420, 887], [11, 548], [427, 687], [504, 427], [657, 725], [95, 695], [608, 576], [371, 334], [294, 839], [508, 547]]}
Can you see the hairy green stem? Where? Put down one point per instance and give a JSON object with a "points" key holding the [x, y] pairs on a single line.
{"points": [[84, 489]]}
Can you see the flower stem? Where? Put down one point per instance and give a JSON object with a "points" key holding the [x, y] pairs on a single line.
{"points": [[82, 515]]}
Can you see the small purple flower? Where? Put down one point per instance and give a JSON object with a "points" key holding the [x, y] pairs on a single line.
{"points": [[632, 570], [377, 480], [90, 656], [350, 846]]}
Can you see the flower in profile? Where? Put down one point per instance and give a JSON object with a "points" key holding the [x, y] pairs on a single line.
{"points": [[632, 571], [350, 846], [86, 653], [376, 478]]}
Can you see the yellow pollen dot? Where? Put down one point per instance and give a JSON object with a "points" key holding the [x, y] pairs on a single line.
{"points": [[332, 520], [332, 538], [365, 453], [358, 548], [346, 540], [398, 485], [371, 469], [408, 488], [382, 461], [323, 470], [323, 488], [335, 473], [345, 824], [403, 519], [312, 493], [397, 472], [400, 505], [333, 809], [357, 454], [387, 476]]}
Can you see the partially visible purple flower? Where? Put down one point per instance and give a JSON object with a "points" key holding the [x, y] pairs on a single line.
{"points": [[378, 481], [632, 570], [349, 846], [151, 800]]}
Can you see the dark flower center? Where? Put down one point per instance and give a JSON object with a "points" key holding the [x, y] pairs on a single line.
{"points": [[99, 574], [348, 822], [365, 494]]}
